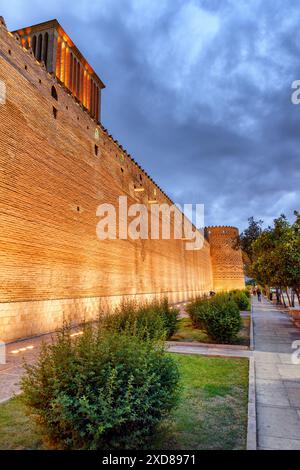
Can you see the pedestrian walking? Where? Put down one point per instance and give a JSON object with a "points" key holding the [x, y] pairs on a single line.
{"points": [[259, 294]]}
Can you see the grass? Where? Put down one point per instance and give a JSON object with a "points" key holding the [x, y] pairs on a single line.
{"points": [[187, 332], [17, 431], [212, 413]]}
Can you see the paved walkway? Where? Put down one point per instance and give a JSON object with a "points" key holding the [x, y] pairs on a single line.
{"points": [[12, 371], [277, 378]]}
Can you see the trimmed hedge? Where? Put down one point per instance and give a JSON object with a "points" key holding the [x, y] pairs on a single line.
{"points": [[102, 390]]}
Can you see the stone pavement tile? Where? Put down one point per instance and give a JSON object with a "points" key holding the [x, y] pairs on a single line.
{"points": [[289, 372], [278, 443], [9, 385], [266, 357], [274, 340], [267, 371], [268, 346], [294, 396], [285, 358], [292, 384], [277, 422], [271, 392]]}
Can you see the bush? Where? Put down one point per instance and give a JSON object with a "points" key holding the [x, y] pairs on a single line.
{"points": [[241, 299], [219, 316], [155, 320], [169, 316], [193, 308], [102, 390]]}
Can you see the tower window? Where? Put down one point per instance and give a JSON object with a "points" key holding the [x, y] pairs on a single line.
{"points": [[45, 51], [96, 150], [39, 48], [55, 112], [33, 45], [54, 93]]}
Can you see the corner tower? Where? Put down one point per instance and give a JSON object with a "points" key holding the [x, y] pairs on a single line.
{"points": [[227, 262], [51, 44]]}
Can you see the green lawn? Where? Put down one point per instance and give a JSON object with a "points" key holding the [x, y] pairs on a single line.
{"points": [[188, 333], [17, 432], [212, 413], [213, 410]]}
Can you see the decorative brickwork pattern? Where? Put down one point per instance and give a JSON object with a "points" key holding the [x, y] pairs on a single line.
{"points": [[227, 262]]}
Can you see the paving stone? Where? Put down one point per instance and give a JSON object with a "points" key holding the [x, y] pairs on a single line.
{"points": [[271, 392], [289, 372], [285, 358], [294, 396], [267, 371], [266, 357], [278, 422], [276, 443]]}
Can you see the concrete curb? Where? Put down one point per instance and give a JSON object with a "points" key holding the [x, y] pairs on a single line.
{"points": [[233, 347], [252, 425], [251, 330]]}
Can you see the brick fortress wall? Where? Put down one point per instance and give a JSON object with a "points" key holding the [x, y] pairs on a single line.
{"points": [[53, 266]]}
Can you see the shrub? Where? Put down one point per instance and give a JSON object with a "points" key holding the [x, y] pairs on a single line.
{"points": [[155, 320], [168, 315], [200, 303], [102, 390], [219, 316], [241, 299]]}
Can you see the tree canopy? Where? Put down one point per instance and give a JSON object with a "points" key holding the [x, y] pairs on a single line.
{"points": [[274, 253]]}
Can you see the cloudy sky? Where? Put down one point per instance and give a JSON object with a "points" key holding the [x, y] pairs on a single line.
{"points": [[198, 91]]}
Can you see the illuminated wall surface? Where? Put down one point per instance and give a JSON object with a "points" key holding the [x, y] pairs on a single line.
{"points": [[52, 179], [51, 45], [227, 263]]}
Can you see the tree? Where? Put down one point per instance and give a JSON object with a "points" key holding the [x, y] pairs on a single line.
{"points": [[246, 239], [276, 255]]}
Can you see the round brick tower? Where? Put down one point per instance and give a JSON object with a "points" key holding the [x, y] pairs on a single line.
{"points": [[227, 262]]}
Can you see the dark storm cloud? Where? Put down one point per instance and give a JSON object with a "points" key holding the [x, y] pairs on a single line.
{"points": [[198, 91]]}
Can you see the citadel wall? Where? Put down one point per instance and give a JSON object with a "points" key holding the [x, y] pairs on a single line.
{"points": [[54, 172]]}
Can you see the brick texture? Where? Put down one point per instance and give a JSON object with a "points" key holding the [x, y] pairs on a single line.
{"points": [[53, 266], [227, 262]]}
